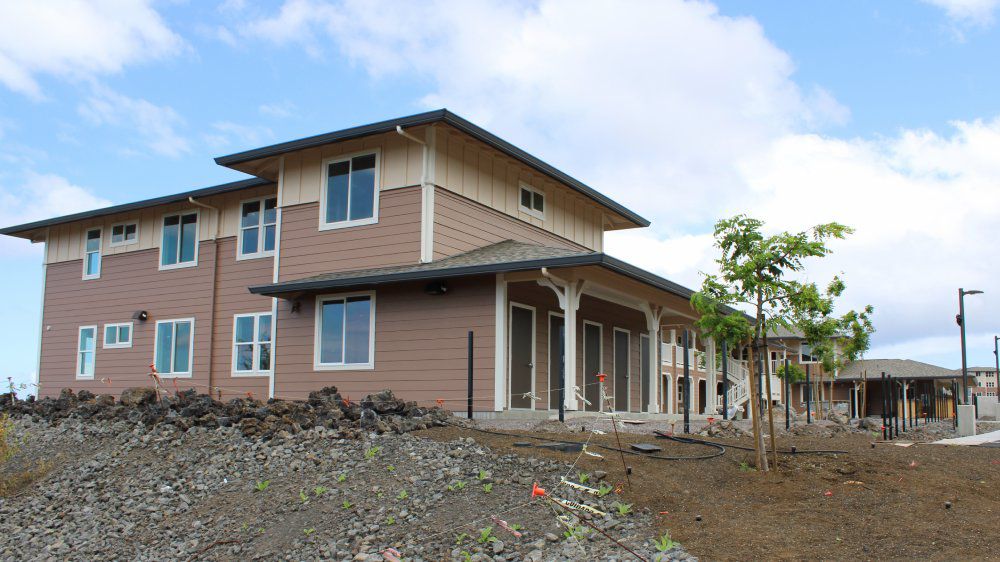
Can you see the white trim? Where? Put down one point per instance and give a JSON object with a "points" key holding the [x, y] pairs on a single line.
{"points": [[500, 348], [531, 210], [125, 241], [646, 407], [260, 253], [802, 361], [628, 366], [534, 354], [156, 343], [99, 252], [41, 314], [119, 344], [323, 179], [256, 344], [79, 335], [600, 361], [197, 240], [427, 190], [317, 330], [548, 354]]}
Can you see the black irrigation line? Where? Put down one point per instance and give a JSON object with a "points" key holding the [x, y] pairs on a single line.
{"points": [[792, 451], [721, 448]]}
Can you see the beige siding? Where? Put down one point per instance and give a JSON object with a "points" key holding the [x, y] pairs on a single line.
{"points": [[461, 225], [394, 240], [472, 169], [66, 240], [420, 346], [400, 165]]}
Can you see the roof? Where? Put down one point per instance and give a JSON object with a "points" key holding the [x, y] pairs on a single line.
{"points": [[437, 116], [901, 368], [982, 369], [200, 192], [501, 257], [782, 333]]}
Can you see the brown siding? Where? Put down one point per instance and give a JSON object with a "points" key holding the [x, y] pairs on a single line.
{"points": [[420, 346], [461, 225], [394, 240]]}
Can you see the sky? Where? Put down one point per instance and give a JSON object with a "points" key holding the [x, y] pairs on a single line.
{"points": [[879, 115]]}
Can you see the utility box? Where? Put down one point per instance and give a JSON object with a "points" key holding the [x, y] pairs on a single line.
{"points": [[966, 420]]}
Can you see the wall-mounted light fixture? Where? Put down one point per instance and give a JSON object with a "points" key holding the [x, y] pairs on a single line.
{"points": [[140, 315], [436, 288]]}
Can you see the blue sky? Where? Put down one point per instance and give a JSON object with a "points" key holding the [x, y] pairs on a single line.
{"points": [[881, 115]]}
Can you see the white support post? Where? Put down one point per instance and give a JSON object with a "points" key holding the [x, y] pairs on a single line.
{"points": [[572, 305], [500, 350], [906, 404], [710, 376], [653, 315], [671, 379]]}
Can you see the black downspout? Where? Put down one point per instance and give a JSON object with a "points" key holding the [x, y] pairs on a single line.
{"points": [[725, 381], [470, 375], [885, 424], [788, 397], [562, 378], [687, 384]]}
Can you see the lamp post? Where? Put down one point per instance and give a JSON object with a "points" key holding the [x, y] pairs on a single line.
{"points": [[996, 357], [961, 325]]}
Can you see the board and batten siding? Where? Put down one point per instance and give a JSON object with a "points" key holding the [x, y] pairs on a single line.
{"points": [[420, 346], [393, 240], [461, 225], [66, 241], [478, 172], [131, 282]]}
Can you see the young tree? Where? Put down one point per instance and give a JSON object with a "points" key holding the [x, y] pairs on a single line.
{"points": [[754, 274]]}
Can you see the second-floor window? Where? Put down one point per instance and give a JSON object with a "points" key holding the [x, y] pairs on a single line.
{"points": [[258, 224], [179, 246], [124, 234], [532, 201], [92, 254], [350, 193], [805, 354]]}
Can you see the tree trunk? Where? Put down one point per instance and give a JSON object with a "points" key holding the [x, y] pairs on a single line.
{"points": [[770, 405], [755, 413]]}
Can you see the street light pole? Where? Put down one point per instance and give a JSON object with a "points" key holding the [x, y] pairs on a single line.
{"points": [[961, 325], [996, 357]]}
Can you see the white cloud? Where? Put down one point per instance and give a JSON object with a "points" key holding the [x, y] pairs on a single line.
{"points": [[155, 124], [280, 110], [227, 133], [40, 196], [78, 39], [968, 12]]}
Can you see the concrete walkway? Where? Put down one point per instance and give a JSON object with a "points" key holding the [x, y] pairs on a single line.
{"points": [[981, 439]]}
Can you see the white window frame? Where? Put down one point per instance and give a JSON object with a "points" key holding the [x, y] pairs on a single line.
{"points": [[803, 361], [100, 247], [260, 253], [531, 210], [197, 240], [317, 331], [323, 180], [79, 335], [255, 372], [118, 344], [125, 241], [156, 344]]}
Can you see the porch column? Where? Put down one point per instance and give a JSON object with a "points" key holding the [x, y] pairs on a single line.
{"points": [[500, 350], [671, 379], [653, 315], [568, 294], [906, 404], [854, 400], [710, 376]]}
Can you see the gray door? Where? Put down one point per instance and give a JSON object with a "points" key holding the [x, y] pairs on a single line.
{"points": [[645, 371], [522, 363], [557, 342], [621, 370], [592, 365], [702, 396]]}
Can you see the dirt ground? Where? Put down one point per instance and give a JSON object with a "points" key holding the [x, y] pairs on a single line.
{"points": [[926, 502]]}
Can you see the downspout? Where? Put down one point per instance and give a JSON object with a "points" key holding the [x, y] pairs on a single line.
{"points": [[41, 316], [426, 195], [215, 274]]}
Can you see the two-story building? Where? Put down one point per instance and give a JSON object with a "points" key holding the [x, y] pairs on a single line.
{"points": [[399, 254]]}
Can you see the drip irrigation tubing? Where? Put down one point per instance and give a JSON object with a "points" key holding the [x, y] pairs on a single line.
{"points": [[721, 449], [742, 448]]}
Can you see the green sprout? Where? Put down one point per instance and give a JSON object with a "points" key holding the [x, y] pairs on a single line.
{"points": [[303, 496], [482, 475], [583, 477], [346, 504], [309, 531], [745, 467], [262, 485], [319, 490], [390, 468], [402, 495], [341, 477], [486, 536], [623, 508], [488, 488], [575, 531], [456, 486], [390, 520], [605, 489], [371, 452], [461, 538], [665, 543]]}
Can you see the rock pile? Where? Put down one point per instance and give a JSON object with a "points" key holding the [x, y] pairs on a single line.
{"points": [[724, 430], [326, 408]]}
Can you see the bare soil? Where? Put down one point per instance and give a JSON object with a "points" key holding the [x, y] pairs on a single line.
{"points": [[881, 502]]}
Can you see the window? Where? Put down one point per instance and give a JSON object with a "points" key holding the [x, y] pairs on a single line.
{"points": [[252, 334], [124, 234], [179, 247], [85, 354], [118, 335], [258, 224], [350, 196], [805, 354], [345, 332], [92, 254], [174, 351], [532, 201]]}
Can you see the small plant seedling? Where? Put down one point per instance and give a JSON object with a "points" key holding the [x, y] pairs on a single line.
{"points": [[309, 531], [303, 496], [456, 486], [486, 536], [605, 489], [583, 477], [665, 543], [488, 488], [390, 468], [371, 452], [341, 477], [481, 475], [402, 495], [461, 538], [745, 467], [390, 520], [262, 485], [379, 495], [623, 508], [466, 556], [319, 490], [516, 526], [346, 504], [577, 531]]}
